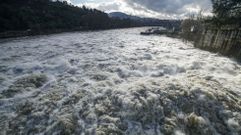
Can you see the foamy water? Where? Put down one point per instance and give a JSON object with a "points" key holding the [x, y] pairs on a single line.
{"points": [[116, 82]]}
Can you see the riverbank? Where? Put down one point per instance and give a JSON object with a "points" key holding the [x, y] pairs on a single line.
{"points": [[15, 34], [225, 41]]}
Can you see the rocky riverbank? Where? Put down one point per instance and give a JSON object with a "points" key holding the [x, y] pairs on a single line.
{"points": [[224, 41], [14, 34]]}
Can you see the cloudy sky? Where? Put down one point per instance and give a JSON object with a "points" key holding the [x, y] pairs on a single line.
{"points": [[163, 9]]}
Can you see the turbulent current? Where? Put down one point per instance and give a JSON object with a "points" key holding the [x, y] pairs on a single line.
{"points": [[116, 82]]}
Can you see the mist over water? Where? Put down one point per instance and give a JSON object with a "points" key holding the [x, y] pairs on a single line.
{"points": [[118, 82]]}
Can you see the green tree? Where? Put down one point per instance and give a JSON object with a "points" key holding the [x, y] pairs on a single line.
{"points": [[226, 8], [227, 12]]}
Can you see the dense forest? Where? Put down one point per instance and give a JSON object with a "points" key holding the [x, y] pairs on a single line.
{"points": [[227, 12], [47, 15]]}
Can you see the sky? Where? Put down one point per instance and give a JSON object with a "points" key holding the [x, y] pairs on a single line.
{"points": [[162, 9]]}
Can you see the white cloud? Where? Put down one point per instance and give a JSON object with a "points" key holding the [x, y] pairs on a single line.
{"points": [[164, 9]]}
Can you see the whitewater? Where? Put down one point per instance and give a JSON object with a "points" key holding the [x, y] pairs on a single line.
{"points": [[116, 82]]}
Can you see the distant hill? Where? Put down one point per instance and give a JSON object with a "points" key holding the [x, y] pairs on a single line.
{"points": [[123, 16], [147, 21]]}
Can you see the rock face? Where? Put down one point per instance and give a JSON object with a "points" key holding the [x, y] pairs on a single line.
{"points": [[224, 41]]}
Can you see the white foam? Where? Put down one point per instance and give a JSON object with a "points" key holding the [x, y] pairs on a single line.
{"points": [[118, 81]]}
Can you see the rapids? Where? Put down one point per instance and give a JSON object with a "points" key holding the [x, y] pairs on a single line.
{"points": [[116, 82]]}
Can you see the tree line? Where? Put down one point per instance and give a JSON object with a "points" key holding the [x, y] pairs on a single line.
{"points": [[41, 15], [227, 12]]}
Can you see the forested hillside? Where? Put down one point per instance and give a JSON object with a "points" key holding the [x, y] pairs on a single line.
{"points": [[40, 15]]}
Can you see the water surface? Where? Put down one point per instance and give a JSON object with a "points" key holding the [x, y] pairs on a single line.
{"points": [[118, 82]]}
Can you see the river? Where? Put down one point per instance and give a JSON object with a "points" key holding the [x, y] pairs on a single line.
{"points": [[116, 82]]}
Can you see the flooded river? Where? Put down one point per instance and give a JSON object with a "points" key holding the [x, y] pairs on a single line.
{"points": [[116, 82]]}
